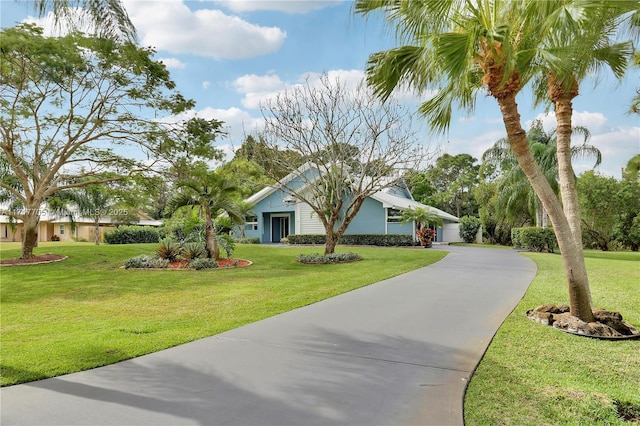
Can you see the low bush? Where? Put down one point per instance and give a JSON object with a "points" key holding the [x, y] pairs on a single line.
{"points": [[132, 235], [145, 261], [390, 240], [328, 258], [203, 263], [534, 238], [254, 240], [227, 243], [469, 227]]}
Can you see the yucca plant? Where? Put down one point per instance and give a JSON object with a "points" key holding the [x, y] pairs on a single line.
{"points": [[168, 249], [192, 250]]}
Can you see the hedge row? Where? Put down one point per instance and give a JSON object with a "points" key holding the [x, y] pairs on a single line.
{"points": [[356, 239], [534, 238], [133, 235]]}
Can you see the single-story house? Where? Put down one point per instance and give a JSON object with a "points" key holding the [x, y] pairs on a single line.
{"points": [[59, 224], [277, 213]]}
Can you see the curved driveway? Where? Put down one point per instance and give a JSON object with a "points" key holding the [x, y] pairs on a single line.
{"points": [[396, 352]]}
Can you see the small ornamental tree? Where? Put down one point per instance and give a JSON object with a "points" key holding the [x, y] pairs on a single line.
{"points": [[352, 144]]}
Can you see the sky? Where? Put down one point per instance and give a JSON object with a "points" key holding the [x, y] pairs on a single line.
{"points": [[229, 56]]}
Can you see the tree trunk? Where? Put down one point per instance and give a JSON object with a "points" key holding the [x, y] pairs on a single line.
{"points": [[575, 269], [566, 176], [213, 251], [30, 223], [331, 241], [96, 231]]}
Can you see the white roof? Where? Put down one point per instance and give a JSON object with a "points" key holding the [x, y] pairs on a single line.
{"points": [[400, 203]]}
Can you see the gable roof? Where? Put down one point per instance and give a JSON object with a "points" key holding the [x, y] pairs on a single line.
{"points": [[384, 196]]}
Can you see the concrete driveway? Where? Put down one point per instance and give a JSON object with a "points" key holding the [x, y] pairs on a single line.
{"points": [[398, 352]]}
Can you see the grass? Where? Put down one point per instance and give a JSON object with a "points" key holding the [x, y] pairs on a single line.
{"points": [[86, 311], [536, 375]]}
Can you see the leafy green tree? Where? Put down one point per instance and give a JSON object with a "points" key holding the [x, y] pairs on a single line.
{"points": [[599, 199], [460, 49], [210, 193], [454, 177], [78, 111], [418, 183]]}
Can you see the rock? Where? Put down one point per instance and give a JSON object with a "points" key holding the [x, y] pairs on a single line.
{"points": [[607, 323]]}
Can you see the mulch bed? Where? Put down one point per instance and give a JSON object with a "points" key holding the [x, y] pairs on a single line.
{"points": [[35, 260]]}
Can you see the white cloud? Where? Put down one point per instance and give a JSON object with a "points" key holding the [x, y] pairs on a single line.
{"points": [[206, 85], [171, 26], [80, 21], [287, 6], [260, 89], [173, 63], [593, 121]]}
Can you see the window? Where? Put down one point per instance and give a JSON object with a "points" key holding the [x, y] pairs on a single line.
{"points": [[61, 230], [251, 224], [394, 216]]}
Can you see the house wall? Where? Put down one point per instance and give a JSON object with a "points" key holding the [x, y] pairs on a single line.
{"points": [[369, 220]]}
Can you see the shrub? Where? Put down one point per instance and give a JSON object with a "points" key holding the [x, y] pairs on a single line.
{"points": [[534, 238], [469, 227], [389, 240], [192, 250], [168, 249], [132, 235], [328, 258], [254, 240], [145, 261], [227, 243], [203, 263], [54, 237]]}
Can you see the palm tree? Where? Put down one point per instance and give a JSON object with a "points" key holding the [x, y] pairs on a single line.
{"points": [[108, 16], [514, 188], [421, 216], [213, 195], [92, 201], [459, 49], [579, 42]]}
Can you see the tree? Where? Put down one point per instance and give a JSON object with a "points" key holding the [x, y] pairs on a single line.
{"points": [[353, 147], [108, 17], [453, 177], [459, 49], [91, 201], [601, 200], [578, 41], [78, 111], [213, 195], [514, 188]]}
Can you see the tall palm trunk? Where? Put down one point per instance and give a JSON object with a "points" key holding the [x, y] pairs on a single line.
{"points": [[213, 251], [562, 99], [575, 268]]}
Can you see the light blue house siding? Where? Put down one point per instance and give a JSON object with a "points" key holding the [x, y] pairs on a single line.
{"points": [[278, 214]]}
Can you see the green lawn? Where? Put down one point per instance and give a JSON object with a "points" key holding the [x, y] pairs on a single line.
{"points": [[86, 311], [536, 375]]}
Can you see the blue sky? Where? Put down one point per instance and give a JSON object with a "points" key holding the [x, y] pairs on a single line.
{"points": [[231, 55]]}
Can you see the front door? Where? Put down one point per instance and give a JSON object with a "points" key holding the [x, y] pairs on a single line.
{"points": [[279, 228]]}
